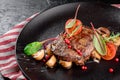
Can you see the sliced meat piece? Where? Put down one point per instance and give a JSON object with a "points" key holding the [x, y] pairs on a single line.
{"points": [[82, 42]]}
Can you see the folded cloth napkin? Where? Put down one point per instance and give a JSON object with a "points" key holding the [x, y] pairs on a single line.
{"points": [[8, 63]]}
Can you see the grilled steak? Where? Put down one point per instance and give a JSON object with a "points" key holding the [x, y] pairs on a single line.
{"points": [[82, 42]]}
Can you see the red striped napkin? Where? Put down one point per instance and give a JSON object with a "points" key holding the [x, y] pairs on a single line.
{"points": [[8, 63]]}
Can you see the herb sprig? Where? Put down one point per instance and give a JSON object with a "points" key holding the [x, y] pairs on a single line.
{"points": [[112, 37], [73, 21], [99, 42]]}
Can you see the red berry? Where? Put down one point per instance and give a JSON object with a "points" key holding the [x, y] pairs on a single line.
{"points": [[79, 52], [83, 67], [67, 41], [69, 46], [47, 57], [70, 37], [111, 70], [117, 59], [44, 60]]}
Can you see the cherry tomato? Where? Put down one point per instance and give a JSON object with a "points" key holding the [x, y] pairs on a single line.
{"points": [[111, 51], [70, 30]]}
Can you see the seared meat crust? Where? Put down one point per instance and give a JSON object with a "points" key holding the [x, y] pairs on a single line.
{"points": [[82, 42]]}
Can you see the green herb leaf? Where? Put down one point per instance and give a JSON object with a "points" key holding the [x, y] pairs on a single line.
{"points": [[112, 37], [99, 44], [32, 48], [75, 30], [71, 23]]}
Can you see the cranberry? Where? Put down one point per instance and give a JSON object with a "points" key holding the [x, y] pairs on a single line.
{"points": [[47, 57], [117, 59], [67, 41], [79, 52], [84, 67], [111, 70], [69, 46]]}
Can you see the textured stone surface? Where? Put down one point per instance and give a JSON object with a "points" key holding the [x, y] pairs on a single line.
{"points": [[15, 11]]}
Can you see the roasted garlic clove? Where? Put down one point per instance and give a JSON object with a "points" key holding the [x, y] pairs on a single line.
{"points": [[51, 62], [96, 57], [96, 60], [65, 64], [48, 49], [39, 55]]}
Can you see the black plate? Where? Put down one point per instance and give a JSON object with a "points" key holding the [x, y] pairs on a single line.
{"points": [[50, 23]]}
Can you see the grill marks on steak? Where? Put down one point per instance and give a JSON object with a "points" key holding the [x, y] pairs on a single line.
{"points": [[82, 42]]}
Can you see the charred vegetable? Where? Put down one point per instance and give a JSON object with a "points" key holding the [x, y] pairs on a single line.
{"points": [[66, 64], [51, 62], [39, 55]]}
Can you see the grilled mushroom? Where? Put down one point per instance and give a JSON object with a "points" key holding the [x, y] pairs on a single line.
{"points": [[96, 57], [48, 49], [51, 62], [103, 31], [66, 64], [39, 55]]}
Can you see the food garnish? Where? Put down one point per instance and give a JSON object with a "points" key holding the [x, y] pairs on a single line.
{"points": [[111, 70], [112, 37], [32, 48], [84, 67], [78, 44], [71, 22], [117, 59], [111, 51], [99, 42], [73, 26]]}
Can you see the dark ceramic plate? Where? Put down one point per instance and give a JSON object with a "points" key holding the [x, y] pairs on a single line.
{"points": [[50, 23]]}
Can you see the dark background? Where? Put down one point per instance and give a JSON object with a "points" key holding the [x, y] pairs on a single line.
{"points": [[15, 11]]}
